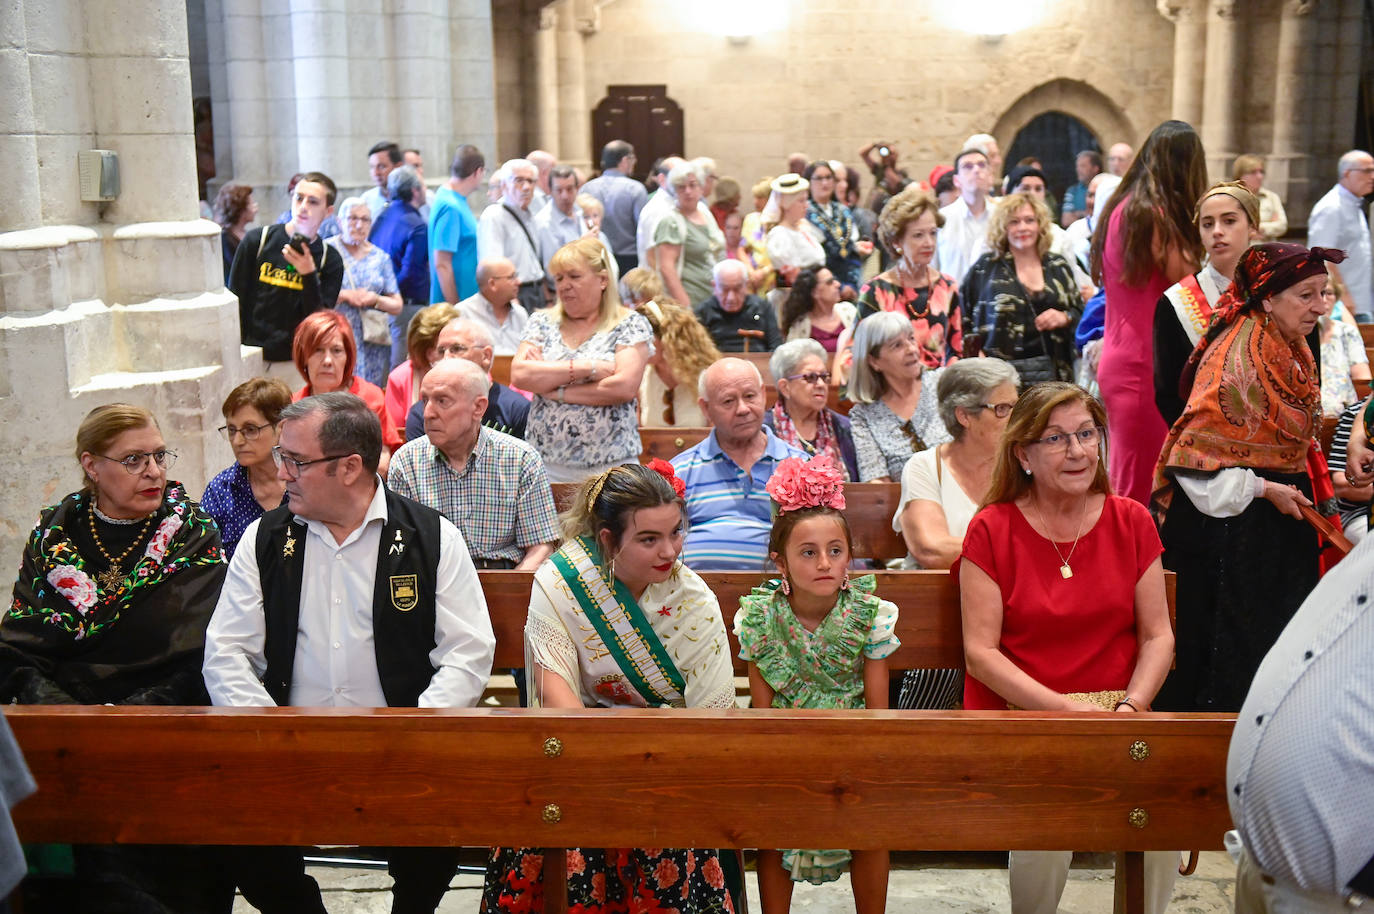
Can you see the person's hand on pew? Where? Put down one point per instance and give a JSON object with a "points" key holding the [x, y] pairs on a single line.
{"points": [[1359, 456]]}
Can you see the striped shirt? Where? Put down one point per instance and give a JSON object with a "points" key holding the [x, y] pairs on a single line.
{"points": [[729, 512], [500, 500]]}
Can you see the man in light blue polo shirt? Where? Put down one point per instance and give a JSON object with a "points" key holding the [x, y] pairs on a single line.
{"points": [[727, 506], [453, 230]]}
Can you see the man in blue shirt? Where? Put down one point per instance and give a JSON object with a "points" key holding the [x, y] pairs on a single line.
{"points": [[453, 230], [622, 198], [729, 510], [401, 231]]}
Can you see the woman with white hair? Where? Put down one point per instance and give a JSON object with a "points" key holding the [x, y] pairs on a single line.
{"points": [[801, 417], [895, 413], [684, 247], [369, 291], [793, 244]]}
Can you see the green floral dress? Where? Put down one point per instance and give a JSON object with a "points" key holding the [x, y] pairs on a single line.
{"points": [[820, 669]]}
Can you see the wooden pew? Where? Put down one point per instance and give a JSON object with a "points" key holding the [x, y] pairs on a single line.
{"points": [[1328, 432], [969, 781], [1367, 333], [928, 624], [666, 442], [500, 369], [869, 507]]}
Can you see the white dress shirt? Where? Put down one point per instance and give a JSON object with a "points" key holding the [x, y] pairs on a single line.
{"points": [[660, 204], [1300, 774], [336, 659], [963, 239], [500, 234], [1338, 221], [505, 337]]}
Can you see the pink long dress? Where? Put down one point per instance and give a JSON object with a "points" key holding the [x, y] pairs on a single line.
{"points": [[1125, 373]]}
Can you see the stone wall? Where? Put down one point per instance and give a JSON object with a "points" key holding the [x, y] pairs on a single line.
{"points": [[103, 302]]}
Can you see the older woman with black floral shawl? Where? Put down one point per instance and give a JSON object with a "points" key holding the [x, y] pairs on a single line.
{"points": [[1237, 470], [116, 586]]}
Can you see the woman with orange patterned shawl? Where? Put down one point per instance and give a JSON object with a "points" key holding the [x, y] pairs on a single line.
{"points": [[1234, 475]]}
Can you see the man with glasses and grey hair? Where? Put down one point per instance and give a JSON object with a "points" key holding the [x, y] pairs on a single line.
{"points": [[347, 596], [402, 232], [1337, 220], [464, 338], [506, 229]]}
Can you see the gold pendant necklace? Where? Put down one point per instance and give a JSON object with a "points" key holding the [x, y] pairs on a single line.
{"points": [[111, 577], [1065, 571]]}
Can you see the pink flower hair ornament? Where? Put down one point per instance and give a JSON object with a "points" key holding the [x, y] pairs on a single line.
{"points": [[814, 483]]}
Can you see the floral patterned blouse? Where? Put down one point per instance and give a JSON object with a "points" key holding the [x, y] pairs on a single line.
{"points": [[584, 436], [934, 310], [824, 668], [885, 443], [372, 272]]}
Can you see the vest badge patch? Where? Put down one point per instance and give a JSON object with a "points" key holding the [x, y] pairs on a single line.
{"points": [[403, 591]]}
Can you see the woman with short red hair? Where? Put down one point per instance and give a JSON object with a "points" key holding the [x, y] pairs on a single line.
{"points": [[325, 354]]}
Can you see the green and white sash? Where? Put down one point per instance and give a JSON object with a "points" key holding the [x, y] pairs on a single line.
{"points": [[621, 624]]}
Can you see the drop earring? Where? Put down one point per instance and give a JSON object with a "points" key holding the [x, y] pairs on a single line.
{"points": [[786, 587], [844, 585]]}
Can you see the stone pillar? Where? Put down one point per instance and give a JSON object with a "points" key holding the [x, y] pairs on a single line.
{"points": [[1190, 43], [473, 81], [1289, 168], [1221, 91], [546, 130], [574, 117], [117, 301]]}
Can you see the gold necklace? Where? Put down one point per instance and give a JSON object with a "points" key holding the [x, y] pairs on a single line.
{"points": [[1065, 571], [110, 577]]}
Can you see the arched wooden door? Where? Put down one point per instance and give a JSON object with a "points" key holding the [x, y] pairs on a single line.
{"points": [[1056, 139], [645, 117]]}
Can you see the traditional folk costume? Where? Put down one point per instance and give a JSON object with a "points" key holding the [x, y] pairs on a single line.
{"points": [[666, 649], [107, 612], [1181, 318], [1243, 567]]}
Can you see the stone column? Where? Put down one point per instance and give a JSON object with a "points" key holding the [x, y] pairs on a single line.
{"points": [[1288, 171], [473, 82], [1190, 43], [104, 302], [574, 118], [1221, 92], [546, 128]]}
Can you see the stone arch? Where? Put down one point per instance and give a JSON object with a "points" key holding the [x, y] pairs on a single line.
{"points": [[1104, 117]]}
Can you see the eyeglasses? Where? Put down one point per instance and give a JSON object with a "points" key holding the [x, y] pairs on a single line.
{"points": [[811, 377], [134, 463], [1000, 410], [249, 432], [1087, 438], [358, 219], [455, 349], [294, 466]]}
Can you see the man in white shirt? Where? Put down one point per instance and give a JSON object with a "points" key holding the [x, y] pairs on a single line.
{"points": [[300, 622], [495, 306], [1338, 221], [506, 229], [1119, 159], [561, 221], [965, 234], [543, 162]]}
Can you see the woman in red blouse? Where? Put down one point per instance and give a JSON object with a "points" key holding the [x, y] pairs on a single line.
{"points": [[1062, 592]]}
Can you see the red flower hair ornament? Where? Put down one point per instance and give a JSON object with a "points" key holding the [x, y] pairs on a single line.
{"points": [[665, 469], [814, 483]]}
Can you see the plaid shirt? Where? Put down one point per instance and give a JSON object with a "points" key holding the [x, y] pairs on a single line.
{"points": [[500, 501]]}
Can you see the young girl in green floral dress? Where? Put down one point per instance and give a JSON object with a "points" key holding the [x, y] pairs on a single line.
{"points": [[816, 639]]}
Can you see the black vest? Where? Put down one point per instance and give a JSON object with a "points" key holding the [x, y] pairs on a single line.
{"points": [[402, 598]]}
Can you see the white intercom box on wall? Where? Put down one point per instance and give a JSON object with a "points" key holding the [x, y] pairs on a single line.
{"points": [[99, 170]]}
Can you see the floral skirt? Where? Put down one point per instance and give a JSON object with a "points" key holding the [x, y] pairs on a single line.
{"points": [[610, 881]]}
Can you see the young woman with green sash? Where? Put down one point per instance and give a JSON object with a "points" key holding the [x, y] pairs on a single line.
{"points": [[617, 621]]}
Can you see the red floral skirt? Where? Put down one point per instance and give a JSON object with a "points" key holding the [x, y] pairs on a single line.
{"points": [[611, 881]]}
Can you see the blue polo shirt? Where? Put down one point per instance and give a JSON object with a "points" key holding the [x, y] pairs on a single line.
{"points": [[728, 509], [453, 228]]}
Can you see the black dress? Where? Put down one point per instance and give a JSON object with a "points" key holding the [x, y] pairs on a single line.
{"points": [[1240, 579]]}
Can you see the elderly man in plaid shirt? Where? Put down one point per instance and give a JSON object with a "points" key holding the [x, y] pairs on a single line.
{"points": [[490, 484]]}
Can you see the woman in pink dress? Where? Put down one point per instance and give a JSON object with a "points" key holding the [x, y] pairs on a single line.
{"points": [[1146, 241]]}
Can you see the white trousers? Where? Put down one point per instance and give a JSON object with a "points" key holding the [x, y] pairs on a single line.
{"points": [[1037, 880], [1259, 893]]}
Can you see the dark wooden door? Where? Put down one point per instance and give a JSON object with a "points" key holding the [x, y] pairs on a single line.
{"points": [[645, 117], [1056, 139]]}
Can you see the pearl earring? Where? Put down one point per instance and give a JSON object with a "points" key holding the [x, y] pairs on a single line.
{"points": [[1028, 470]]}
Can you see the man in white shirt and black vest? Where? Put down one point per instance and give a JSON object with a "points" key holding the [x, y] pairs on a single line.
{"points": [[350, 596]]}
